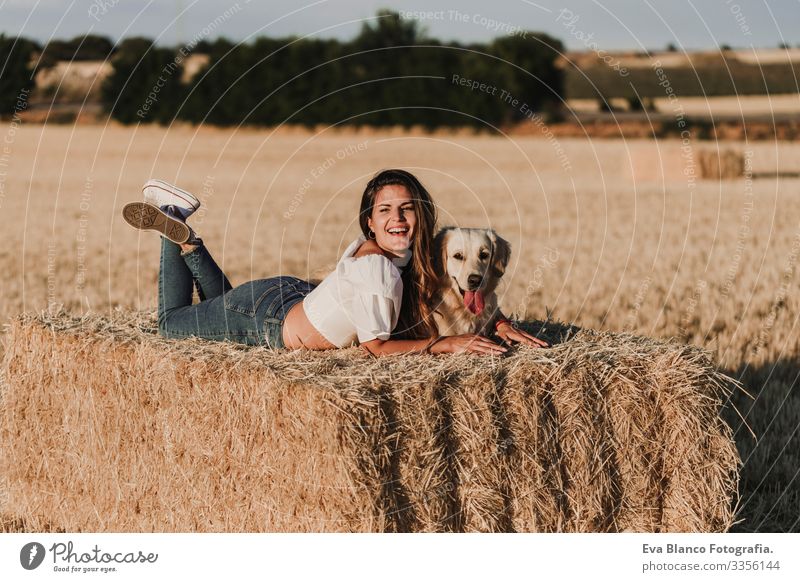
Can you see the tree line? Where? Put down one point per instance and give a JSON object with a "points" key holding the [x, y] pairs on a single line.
{"points": [[722, 76], [391, 73]]}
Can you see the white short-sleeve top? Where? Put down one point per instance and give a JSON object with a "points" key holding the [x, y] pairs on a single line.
{"points": [[360, 300]]}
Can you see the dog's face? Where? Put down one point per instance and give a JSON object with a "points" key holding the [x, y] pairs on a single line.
{"points": [[473, 260]]}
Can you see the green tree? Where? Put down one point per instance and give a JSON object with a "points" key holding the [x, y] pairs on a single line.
{"points": [[531, 62], [225, 92], [16, 76], [387, 30], [145, 84], [88, 47]]}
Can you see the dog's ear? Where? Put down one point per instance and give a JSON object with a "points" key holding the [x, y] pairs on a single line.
{"points": [[440, 252], [501, 253]]}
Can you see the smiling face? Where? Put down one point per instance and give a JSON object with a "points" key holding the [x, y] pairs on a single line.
{"points": [[393, 219]]}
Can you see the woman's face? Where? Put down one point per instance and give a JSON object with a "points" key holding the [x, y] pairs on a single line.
{"points": [[393, 219]]}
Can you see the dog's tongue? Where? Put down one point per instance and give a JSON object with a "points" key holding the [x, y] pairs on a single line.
{"points": [[474, 301]]}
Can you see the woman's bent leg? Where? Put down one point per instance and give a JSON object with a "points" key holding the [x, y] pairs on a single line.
{"points": [[236, 315], [213, 319], [210, 280], [175, 284], [251, 313], [178, 318]]}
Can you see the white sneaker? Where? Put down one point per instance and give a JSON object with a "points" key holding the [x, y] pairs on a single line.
{"points": [[162, 195]]}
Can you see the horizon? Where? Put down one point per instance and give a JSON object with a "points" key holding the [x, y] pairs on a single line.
{"points": [[581, 25]]}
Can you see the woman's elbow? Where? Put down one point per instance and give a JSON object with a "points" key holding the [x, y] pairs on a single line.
{"points": [[376, 347]]}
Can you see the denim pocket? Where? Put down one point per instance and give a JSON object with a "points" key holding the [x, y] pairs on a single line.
{"points": [[247, 297], [273, 333]]}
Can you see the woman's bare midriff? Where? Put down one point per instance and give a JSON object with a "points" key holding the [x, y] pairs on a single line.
{"points": [[298, 331]]}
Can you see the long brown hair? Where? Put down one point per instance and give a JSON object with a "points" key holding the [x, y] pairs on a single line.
{"points": [[419, 278]]}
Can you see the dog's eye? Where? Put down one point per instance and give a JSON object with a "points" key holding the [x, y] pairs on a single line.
{"points": [[483, 255], [458, 257]]}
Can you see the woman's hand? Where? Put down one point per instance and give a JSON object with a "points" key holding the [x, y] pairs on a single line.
{"points": [[507, 332], [466, 343]]}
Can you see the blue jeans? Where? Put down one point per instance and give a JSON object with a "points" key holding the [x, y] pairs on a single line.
{"points": [[251, 313]]}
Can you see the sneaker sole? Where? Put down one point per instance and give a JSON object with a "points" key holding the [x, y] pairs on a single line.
{"points": [[190, 199], [145, 216]]}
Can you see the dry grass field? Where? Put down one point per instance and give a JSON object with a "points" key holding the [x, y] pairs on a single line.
{"points": [[712, 263]]}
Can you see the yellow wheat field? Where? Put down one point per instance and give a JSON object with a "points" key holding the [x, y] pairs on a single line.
{"points": [[713, 263]]}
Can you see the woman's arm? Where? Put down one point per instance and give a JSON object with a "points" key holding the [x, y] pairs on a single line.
{"points": [[507, 331], [450, 344]]}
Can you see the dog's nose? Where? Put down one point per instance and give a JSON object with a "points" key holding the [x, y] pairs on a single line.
{"points": [[474, 281]]}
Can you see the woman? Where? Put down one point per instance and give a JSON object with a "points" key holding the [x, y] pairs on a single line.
{"points": [[382, 283]]}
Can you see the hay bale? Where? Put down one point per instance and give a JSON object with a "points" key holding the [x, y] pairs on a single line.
{"points": [[725, 164], [107, 427], [113, 432]]}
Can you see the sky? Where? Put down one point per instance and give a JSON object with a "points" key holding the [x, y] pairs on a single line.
{"points": [[608, 24]]}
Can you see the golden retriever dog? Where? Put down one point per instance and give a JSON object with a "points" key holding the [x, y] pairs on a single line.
{"points": [[470, 262]]}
